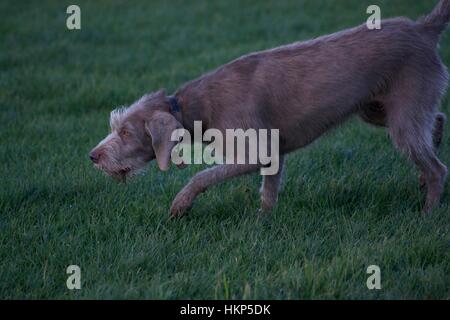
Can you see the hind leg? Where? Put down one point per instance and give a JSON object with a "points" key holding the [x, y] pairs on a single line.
{"points": [[375, 113], [421, 152], [411, 127]]}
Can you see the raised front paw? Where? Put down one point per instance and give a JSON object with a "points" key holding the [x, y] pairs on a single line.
{"points": [[181, 204]]}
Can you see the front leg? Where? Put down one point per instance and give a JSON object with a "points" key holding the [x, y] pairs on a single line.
{"points": [[202, 181], [270, 187]]}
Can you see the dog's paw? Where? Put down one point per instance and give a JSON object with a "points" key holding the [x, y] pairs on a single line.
{"points": [[181, 204]]}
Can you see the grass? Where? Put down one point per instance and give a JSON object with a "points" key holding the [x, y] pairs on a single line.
{"points": [[349, 200]]}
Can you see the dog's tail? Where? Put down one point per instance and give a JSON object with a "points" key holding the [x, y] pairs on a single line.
{"points": [[439, 18]]}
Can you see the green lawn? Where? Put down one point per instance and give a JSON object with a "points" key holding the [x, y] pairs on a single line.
{"points": [[349, 200]]}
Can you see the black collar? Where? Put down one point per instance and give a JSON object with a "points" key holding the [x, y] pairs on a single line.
{"points": [[174, 105]]}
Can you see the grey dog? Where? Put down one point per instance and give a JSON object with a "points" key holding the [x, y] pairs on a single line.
{"points": [[392, 77]]}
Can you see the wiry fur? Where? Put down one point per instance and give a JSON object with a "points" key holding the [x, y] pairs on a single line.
{"points": [[391, 77]]}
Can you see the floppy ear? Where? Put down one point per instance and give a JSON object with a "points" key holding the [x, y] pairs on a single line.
{"points": [[160, 127]]}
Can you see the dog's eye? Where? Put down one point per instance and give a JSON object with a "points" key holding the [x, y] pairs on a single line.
{"points": [[125, 133]]}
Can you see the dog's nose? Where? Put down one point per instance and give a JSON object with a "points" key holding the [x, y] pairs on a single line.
{"points": [[94, 156]]}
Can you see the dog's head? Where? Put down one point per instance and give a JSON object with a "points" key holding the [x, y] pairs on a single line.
{"points": [[139, 134]]}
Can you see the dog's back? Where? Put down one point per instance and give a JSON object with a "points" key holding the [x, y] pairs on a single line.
{"points": [[334, 73]]}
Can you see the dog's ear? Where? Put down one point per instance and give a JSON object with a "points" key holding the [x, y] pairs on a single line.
{"points": [[160, 127]]}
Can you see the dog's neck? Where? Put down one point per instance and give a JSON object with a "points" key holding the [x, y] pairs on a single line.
{"points": [[187, 107], [175, 108]]}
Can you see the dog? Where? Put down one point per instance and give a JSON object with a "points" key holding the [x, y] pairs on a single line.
{"points": [[392, 77]]}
